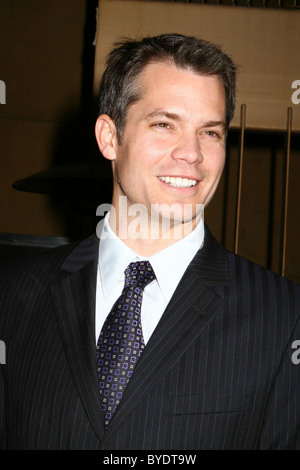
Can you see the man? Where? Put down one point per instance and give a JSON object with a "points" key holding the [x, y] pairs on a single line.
{"points": [[214, 334]]}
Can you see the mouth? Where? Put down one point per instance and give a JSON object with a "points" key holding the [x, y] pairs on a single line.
{"points": [[178, 182]]}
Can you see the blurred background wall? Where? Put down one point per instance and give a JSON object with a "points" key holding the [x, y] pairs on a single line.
{"points": [[52, 176], [46, 62]]}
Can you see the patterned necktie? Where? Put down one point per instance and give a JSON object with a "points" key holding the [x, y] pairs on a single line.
{"points": [[121, 339]]}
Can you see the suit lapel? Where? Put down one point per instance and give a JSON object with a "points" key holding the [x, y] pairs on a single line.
{"points": [[194, 303], [74, 297]]}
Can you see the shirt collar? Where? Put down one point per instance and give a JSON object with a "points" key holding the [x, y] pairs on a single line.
{"points": [[169, 264]]}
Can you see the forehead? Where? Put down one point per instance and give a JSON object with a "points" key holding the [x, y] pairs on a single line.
{"points": [[171, 72], [165, 84]]}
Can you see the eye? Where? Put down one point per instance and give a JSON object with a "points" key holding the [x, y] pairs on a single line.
{"points": [[211, 133], [162, 125]]}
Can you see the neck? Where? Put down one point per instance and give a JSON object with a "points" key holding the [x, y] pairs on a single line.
{"points": [[146, 236]]}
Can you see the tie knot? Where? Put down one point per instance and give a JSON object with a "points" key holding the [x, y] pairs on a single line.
{"points": [[139, 274]]}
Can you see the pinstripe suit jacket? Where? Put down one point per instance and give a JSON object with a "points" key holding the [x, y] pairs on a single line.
{"points": [[216, 374]]}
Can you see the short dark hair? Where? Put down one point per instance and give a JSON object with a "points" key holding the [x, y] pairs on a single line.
{"points": [[119, 86]]}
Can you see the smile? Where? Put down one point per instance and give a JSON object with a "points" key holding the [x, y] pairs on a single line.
{"points": [[178, 182]]}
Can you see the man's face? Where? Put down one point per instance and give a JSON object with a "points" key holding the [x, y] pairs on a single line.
{"points": [[173, 146]]}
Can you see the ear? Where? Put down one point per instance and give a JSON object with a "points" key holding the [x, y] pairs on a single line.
{"points": [[106, 136]]}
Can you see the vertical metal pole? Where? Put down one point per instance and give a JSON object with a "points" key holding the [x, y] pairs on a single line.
{"points": [[285, 191], [240, 177]]}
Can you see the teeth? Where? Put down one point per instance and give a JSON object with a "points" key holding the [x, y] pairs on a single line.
{"points": [[178, 182]]}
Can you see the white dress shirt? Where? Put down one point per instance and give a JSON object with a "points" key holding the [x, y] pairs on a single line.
{"points": [[169, 266]]}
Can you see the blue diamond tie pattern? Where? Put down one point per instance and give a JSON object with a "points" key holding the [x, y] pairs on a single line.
{"points": [[121, 340]]}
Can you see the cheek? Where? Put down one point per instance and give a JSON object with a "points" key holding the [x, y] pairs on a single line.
{"points": [[131, 168], [220, 167], [154, 145], [218, 162], [214, 172], [142, 157]]}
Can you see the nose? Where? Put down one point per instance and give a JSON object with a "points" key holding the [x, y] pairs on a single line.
{"points": [[188, 149]]}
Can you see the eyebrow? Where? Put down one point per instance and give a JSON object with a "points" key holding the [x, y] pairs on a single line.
{"points": [[162, 113], [214, 124]]}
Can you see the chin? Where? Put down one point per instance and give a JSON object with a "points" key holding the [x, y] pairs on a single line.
{"points": [[180, 213]]}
